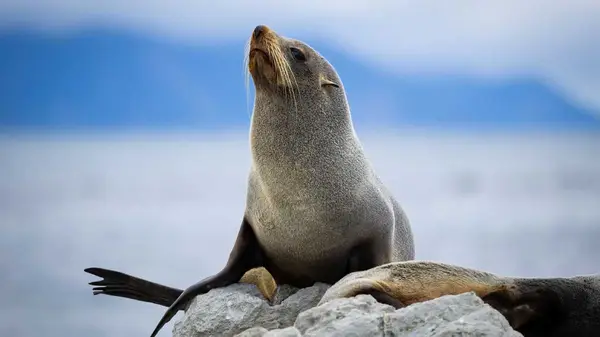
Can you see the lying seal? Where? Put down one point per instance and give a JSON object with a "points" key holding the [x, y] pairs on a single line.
{"points": [[315, 209], [536, 307]]}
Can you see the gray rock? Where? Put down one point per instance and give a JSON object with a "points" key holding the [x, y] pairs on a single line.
{"points": [[231, 310], [357, 316], [283, 291], [257, 331], [452, 315], [262, 332], [287, 332], [240, 310]]}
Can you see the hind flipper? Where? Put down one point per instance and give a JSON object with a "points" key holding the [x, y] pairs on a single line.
{"points": [[118, 284]]}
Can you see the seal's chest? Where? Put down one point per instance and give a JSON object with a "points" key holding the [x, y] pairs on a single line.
{"points": [[303, 239]]}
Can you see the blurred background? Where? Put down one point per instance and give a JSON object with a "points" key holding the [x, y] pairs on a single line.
{"points": [[124, 139]]}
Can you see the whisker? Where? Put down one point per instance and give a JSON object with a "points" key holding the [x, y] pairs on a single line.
{"points": [[279, 63], [247, 75], [284, 75]]}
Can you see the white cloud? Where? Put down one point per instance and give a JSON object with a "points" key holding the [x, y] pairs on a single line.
{"points": [[556, 40]]}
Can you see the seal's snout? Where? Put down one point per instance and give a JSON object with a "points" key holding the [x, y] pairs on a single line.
{"points": [[262, 32], [259, 30], [266, 61]]}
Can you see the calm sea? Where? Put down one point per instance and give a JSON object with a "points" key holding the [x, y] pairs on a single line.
{"points": [[167, 208]]}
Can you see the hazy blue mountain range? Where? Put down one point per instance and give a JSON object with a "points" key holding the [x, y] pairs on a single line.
{"points": [[109, 79]]}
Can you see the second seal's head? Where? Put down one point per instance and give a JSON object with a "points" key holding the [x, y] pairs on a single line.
{"points": [[277, 63]]}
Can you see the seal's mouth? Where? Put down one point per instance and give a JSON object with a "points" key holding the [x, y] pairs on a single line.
{"points": [[254, 52], [261, 66], [267, 62]]}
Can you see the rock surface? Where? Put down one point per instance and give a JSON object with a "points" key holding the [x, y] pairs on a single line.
{"points": [[240, 310]]}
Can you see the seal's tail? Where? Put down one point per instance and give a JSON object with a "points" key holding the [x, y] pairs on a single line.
{"points": [[118, 284]]}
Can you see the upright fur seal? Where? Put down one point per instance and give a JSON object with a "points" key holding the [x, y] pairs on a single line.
{"points": [[536, 307], [315, 209]]}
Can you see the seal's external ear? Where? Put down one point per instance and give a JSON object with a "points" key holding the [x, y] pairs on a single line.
{"points": [[325, 82], [536, 310]]}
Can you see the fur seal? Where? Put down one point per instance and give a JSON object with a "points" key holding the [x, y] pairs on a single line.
{"points": [[536, 307], [315, 209]]}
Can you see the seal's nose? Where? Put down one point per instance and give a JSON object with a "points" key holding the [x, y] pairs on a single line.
{"points": [[259, 30]]}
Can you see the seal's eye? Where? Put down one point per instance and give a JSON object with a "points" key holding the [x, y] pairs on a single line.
{"points": [[298, 54]]}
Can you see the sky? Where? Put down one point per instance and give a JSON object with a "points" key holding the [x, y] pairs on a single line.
{"points": [[557, 41]]}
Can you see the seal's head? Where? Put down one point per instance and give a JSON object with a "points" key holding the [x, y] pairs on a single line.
{"points": [[300, 106], [551, 307], [277, 63]]}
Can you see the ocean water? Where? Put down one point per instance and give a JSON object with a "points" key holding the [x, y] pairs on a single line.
{"points": [[167, 208]]}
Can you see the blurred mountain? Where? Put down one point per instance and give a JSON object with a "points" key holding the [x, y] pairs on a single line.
{"points": [[102, 79]]}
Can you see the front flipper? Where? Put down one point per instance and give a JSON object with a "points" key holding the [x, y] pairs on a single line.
{"points": [[245, 255]]}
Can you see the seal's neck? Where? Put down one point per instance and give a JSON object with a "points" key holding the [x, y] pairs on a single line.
{"points": [[314, 127], [309, 148]]}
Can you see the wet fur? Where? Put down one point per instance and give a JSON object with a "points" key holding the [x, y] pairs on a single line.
{"points": [[536, 307]]}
